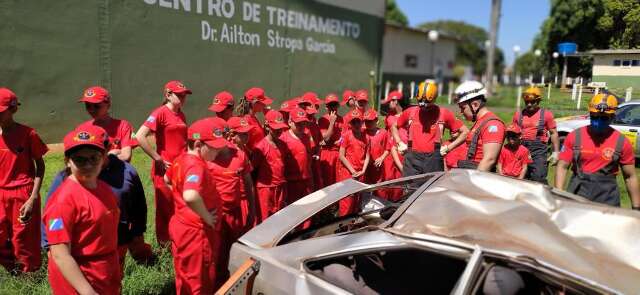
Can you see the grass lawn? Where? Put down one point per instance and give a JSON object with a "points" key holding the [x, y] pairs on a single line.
{"points": [[156, 279]]}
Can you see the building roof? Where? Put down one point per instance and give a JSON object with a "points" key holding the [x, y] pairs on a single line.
{"points": [[614, 51], [441, 34]]}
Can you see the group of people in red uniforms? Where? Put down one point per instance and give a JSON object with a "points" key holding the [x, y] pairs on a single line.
{"points": [[222, 175]]}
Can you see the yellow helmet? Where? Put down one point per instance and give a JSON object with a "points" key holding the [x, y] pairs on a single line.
{"points": [[603, 103], [427, 90], [532, 94]]}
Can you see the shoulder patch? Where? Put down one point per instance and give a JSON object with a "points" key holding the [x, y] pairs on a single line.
{"points": [[193, 178], [151, 119], [493, 129], [56, 224]]}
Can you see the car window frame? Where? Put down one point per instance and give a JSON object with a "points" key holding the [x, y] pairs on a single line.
{"points": [[617, 121]]}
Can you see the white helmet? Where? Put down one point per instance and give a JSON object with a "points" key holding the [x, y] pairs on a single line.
{"points": [[469, 90]]}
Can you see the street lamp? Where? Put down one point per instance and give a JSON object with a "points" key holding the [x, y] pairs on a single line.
{"points": [[433, 37], [516, 51]]}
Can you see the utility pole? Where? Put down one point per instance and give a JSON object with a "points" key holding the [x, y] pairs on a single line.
{"points": [[493, 39]]}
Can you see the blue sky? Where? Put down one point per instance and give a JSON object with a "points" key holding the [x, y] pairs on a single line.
{"points": [[520, 21]]}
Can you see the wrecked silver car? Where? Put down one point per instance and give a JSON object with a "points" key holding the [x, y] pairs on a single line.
{"points": [[451, 233]]}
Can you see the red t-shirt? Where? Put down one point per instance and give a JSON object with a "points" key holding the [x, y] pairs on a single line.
{"points": [[424, 126], [119, 132], [268, 160], [86, 219], [189, 172], [513, 161], [530, 124], [592, 157], [256, 134], [323, 124], [390, 119], [493, 132], [170, 130], [453, 156], [18, 148], [356, 149], [297, 156], [227, 171], [378, 142]]}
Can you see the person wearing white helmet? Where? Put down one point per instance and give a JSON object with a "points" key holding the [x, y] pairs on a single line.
{"points": [[485, 139]]}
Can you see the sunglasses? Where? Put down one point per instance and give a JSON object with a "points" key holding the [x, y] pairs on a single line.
{"points": [[82, 161]]}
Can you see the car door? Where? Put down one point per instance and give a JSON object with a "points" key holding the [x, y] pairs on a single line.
{"points": [[627, 121]]}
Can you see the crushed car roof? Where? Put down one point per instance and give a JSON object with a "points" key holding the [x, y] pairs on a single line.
{"points": [[596, 242]]}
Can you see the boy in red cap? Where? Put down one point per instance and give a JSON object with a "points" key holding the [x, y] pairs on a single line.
{"points": [[348, 99], [514, 157], [97, 102], [81, 220], [378, 147], [20, 181], [362, 100], [254, 102], [222, 105], [168, 123], [239, 130], [194, 230], [394, 109], [330, 125], [308, 103], [297, 156], [268, 162], [354, 158]]}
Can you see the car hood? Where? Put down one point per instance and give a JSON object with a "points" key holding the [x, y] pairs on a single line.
{"points": [[568, 124], [595, 242]]}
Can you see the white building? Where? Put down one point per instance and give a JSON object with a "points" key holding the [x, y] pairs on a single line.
{"points": [[619, 68]]}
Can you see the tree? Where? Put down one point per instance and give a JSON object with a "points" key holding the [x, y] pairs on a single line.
{"points": [[471, 49], [395, 15]]}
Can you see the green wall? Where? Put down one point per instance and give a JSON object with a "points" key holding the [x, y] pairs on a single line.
{"points": [[52, 50], [619, 84]]}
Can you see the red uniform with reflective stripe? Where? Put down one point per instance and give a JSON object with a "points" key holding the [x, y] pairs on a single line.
{"points": [[424, 126], [378, 144], [530, 124], [595, 157], [256, 134], [119, 132], [513, 161], [493, 132], [19, 146], [194, 244], [170, 130], [86, 220]]}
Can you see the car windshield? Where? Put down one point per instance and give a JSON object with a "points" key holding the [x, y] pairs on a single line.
{"points": [[628, 115]]}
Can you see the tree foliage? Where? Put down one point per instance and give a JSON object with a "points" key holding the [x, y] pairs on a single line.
{"points": [[592, 24], [394, 15], [471, 48]]}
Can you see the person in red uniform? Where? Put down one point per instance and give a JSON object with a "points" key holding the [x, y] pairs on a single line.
{"points": [[253, 103], [538, 128], [393, 162], [330, 125], [287, 106], [354, 158], [596, 153], [222, 105], [514, 157], [394, 110], [21, 151], [485, 139], [268, 162], [239, 130], [194, 231], [425, 124], [456, 154], [81, 220], [378, 147], [308, 103], [348, 99], [97, 102], [169, 126], [361, 100], [297, 156]]}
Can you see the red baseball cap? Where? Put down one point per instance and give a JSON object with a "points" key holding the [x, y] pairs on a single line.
{"points": [[275, 120], [353, 115], [210, 131], [239, 124], [7, 99], [346, 95], [514, 128], [304, 100], [298, 115], [95, 94], [370, 115], [393, 95], [312, 97], [176, 86], [90, 135], [257, 94], [331, 97], [221, 101], [362, 95]]}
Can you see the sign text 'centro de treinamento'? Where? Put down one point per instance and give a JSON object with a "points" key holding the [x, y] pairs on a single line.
{"points": [[275, 17]]}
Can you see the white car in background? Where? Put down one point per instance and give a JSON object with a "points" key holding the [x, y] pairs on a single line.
{"points": [[627, 121]]}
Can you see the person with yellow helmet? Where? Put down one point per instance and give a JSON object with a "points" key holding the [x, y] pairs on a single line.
{"points": [[595, 153], [538, 128], [425, 124]]}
